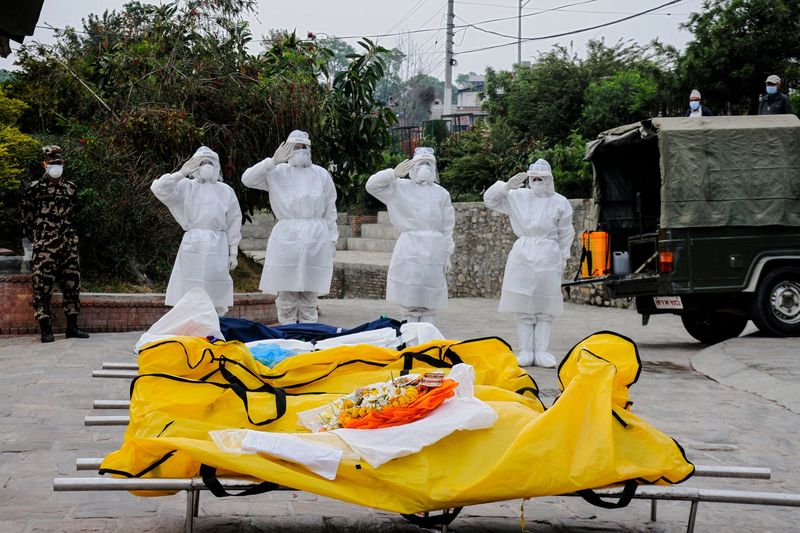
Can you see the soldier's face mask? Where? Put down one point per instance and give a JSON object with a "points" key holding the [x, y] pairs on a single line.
{"points": [[55, 171]]}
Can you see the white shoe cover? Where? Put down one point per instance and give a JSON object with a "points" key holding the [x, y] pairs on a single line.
{"points": [[541, 357], [525, 359], [525, 353], [544, 359]]}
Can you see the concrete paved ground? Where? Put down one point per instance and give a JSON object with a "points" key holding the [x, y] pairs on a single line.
{"points": [[743, 414]]}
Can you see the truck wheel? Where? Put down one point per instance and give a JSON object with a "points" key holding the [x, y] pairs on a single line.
{"points": [[710, 327], [776, 306]]}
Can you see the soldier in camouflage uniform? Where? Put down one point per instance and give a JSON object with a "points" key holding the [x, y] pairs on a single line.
{"points": [[48, 206]]}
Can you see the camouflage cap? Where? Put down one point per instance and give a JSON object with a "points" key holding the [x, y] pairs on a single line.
{"points": [[52, 154]]}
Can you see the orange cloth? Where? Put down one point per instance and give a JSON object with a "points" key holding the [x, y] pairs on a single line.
{"points": [[395, 416]]}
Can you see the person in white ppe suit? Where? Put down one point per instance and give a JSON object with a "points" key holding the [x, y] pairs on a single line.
{"points": [[209, 214], [542, 221], [420, 209], [298, 266]]}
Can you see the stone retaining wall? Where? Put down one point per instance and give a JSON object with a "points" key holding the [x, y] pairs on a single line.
{"points": [[483, 239], [358, 281], [108, 312]]}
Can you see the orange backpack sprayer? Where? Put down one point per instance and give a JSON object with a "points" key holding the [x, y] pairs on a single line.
{"points": [[595, 254]]}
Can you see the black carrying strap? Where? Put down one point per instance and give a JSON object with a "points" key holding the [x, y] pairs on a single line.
{"points": [[241, 390], [622, 500], [209, 475], [433, 520]]}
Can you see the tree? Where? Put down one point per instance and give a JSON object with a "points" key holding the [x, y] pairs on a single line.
{"points": [[341, 52], [18, 152], [736, 45], [359, 125], [545, 100], [542, 101], [390, 86], [417, 97], [623, 98]]}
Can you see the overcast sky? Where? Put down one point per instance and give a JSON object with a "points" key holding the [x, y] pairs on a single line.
{"points": [[371, 17]]}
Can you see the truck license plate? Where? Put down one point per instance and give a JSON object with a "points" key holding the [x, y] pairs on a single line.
{"points": [[668, 302]]}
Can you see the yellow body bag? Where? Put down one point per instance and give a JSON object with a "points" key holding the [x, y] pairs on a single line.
{"points": [[589, 438]]}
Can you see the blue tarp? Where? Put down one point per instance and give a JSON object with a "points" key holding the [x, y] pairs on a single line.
{"points": [[240, 329]]}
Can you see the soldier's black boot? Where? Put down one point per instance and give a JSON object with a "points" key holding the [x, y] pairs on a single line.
{"points": [[46, 329], [72, 328]]}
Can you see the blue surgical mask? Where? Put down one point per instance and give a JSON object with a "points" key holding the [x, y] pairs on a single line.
{"points": [[694, 104], [772, 89]]}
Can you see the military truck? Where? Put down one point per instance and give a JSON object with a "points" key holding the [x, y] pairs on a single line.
{"points": [[708, 210]]}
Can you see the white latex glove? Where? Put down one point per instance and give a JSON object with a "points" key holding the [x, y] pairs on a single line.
{"points": [[282, 153], [233, 262], [189, 167], [448, 266], [516, 181], [333, 249], [403, 168]]}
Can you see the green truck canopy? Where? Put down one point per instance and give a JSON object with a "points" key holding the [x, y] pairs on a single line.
{"points": [[713, 171]]}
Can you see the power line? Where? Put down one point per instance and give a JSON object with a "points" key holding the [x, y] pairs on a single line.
{"points": [[575, 10], [573, 32], [408, 14], [422, 30]]}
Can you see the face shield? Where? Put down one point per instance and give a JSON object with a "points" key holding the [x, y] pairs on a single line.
{"points": [[541, 184], [301, 149], [301, 156], [209, 169], [423, 171], [540, 178]]}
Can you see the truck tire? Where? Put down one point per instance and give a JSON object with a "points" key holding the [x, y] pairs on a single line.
{"points": [[776, 305], [710, 327]]}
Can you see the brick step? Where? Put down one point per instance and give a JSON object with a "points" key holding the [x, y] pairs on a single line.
{"points": [[379, 231]]}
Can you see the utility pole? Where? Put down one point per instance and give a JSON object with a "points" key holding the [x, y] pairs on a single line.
{"points": [[519, 31], [448, 62], [519, 35]]}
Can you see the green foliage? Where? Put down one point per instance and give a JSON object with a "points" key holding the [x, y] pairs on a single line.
{"points": [[470, 163], [736, 45], [542, 101], [572, 174], [17, 152], [359, 125], [623, 98], [547, 100]]}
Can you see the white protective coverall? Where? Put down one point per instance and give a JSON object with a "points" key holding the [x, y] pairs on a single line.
{"points": [[209, 214], [298, 266], [421, 210], [542, 221]]}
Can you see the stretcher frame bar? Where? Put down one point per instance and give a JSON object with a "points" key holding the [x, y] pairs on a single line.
{"points": [[192, 486], [738, 472]]}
